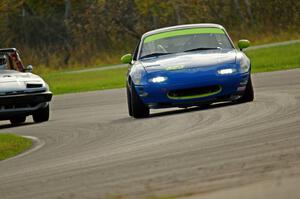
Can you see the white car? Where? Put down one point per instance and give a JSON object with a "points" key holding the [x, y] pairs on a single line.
{"points": [[21, 92]]}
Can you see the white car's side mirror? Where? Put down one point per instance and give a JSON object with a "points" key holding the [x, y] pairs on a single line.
{"points": [[29, 68]]}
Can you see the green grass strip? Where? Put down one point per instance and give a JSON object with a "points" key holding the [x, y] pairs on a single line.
{"points": [[275, 58], [11, 145], [61, 83]]}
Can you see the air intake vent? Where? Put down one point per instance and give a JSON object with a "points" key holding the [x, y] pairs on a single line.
{"points": [[14, 92], [191, 93], [34, 85]]}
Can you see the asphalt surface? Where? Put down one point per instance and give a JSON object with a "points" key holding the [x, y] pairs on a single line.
{"points": [[92, 149]]}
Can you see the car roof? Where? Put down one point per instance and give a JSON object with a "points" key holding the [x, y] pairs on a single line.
{"points": [[201, 25], [8, 50]]}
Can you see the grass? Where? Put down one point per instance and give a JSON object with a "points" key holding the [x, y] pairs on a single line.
{"points": [[86, 81], [11, 145], [263, 60], [275, 58]]}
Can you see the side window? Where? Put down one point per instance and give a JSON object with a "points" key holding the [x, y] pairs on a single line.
{"points": [[136, 51]]}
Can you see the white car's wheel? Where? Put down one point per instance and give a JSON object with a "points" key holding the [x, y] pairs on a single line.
{"points": [[41, 115], [18, 120]]}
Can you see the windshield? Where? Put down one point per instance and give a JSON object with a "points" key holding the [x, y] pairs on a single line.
{"points": [[10, 60], [3, 62], [185, 40]]}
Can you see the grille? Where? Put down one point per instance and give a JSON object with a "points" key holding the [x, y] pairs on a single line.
{"points": [[21, 92], [34, 85], [17, 106], [194, 92], [14, 92]]}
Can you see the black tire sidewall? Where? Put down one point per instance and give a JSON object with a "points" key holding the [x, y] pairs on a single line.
{"points": [[139, 109], [129, 101], [249, 92], [41, 115], [18, 120]]}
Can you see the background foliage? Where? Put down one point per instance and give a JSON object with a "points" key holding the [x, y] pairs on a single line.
{"points": [[61, 33]]}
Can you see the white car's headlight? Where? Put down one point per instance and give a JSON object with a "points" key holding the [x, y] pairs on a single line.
{"points": [[158, 79], [47, 86], [226, 71]]}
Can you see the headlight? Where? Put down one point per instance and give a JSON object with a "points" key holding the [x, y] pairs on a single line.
{"points": [[226, 71], [158, 79], [47, 87], [244, 66], [137, 78]]}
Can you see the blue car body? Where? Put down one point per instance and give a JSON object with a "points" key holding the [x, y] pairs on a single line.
{"points": [[189, 78]]}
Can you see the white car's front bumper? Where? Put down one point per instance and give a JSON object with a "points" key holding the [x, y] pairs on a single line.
{"points": [[22, 104]]}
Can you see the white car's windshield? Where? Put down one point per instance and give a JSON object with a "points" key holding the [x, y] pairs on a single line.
{"points": [[3, 63], [185, 40], [9, 61]]}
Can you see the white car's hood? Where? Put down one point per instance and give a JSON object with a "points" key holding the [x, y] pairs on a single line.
{"points": [[13, 81]]}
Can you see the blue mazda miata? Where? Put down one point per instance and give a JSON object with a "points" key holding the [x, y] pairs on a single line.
{"points": [[187, 65]]}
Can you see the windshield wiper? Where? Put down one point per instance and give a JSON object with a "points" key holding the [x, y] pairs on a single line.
{"points": [[196, 49], [154, 55]]}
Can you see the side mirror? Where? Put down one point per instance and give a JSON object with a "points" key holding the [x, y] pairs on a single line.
{"points": [[126, 59], [29, 68], [243, 43]]}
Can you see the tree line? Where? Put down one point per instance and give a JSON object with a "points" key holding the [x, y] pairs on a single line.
{"points": [[65, 32]]}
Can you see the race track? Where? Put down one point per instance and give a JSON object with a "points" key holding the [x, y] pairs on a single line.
{"points": [[92, 149]]}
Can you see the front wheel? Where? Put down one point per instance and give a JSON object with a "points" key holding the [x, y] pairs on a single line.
{"points": [[129, 101], [18, 120], [249, 93], [41, 115], [138, 108], [204, 106]]}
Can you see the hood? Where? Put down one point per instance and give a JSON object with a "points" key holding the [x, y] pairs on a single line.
{"points": [[199, 59], [14, 81]]}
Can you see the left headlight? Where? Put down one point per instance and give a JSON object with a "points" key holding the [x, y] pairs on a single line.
{"points": [[158, 79]]}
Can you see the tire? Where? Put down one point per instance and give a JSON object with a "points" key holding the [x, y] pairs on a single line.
{"points": [[18, 120], [41, 115], [204, 106], [249, 93], [129, 101], [138, 108]]}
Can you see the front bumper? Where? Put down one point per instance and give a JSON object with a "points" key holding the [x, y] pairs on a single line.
{"points": [[22, 104], [157, 95]]}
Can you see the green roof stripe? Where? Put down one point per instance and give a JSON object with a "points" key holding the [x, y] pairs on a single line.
{"points": [[189, 31]]}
